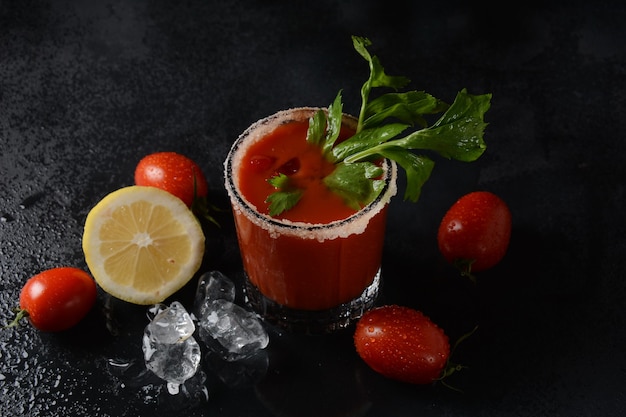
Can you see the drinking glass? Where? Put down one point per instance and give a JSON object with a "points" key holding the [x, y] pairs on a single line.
{"points": [[307, 277]]}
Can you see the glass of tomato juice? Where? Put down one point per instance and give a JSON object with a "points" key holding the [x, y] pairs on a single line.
{"points": [[316, 267]]}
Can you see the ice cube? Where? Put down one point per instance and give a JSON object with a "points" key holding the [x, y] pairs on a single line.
{"points": [[212, 285], [170, 350], [155, 309], [232, 331], [172, 362], [172, 324]]}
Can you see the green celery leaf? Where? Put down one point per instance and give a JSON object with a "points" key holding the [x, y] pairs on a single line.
{"points": [[377, 78], [408, 107], [356, 183], [335, 115], [458, 134], [417, 167], [380, 79], [283, 199], [366, 139], [280, 181], [317, 128]]}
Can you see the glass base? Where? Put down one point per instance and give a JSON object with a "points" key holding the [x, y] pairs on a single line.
{"points": [[312, 321]]}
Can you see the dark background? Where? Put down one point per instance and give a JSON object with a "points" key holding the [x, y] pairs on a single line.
{"points": [[88, 88]]}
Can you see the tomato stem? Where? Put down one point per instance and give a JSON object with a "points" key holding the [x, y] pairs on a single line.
{"points": [[202, 209], [20, 314], [200, 205], [451, 367], [465, 267]]}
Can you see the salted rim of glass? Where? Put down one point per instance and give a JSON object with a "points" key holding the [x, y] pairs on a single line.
{"points": [[354, 224]]}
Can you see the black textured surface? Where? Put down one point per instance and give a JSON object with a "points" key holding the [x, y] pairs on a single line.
{"points": [[88, 88]]}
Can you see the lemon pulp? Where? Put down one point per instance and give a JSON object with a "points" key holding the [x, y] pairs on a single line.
{"points": [[142, 244]]}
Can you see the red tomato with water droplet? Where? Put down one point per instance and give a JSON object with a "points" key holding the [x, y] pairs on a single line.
{"points": [[475, 232], [58, 298], [402, 344], [174, 173]]}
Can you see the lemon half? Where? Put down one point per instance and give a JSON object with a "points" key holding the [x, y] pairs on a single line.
{"points": [[142, 244]]}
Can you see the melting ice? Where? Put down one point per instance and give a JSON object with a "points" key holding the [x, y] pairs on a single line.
{"points": [[226, 328], [172, 324], [170, 350], [212, 285], [239, 333]]}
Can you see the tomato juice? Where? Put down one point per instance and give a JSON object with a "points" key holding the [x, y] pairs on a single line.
{"points": [[319, 254], [303, 163]]}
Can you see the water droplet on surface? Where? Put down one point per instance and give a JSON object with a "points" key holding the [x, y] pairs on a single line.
{"points": [[119, 365], [5, 218], [31, 200]]}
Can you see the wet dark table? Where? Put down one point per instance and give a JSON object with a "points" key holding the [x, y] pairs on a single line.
{"points": [[88, 88]]}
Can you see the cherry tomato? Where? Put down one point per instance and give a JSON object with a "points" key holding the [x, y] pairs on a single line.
{"points": [[474, 234], [402, 344], [57, 299], [174, 173]]}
